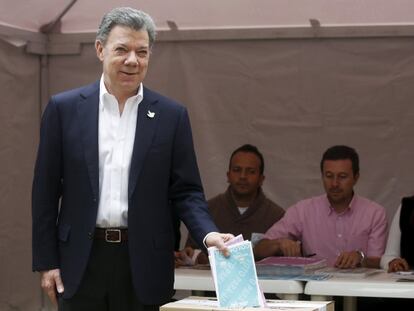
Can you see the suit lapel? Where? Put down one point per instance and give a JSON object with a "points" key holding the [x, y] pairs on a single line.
{"points": [[144, 134], [88, 119]]}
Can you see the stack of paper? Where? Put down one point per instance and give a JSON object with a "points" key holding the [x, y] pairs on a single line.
{"points": [[359, 272], [235, 277], [273, 266], [403, 276]]}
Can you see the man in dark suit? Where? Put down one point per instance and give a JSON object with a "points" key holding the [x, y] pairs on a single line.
{"points": [[115, 163]]}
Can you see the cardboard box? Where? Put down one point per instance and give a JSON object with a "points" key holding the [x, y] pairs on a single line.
{"points": [[211, 304]]}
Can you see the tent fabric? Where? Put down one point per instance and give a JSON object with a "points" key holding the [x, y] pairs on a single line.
{"points": [[73, 22], [19, 123], [293, 98], [84, 16]]}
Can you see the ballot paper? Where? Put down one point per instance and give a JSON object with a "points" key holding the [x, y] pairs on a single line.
{"points": [[277, 266], [359, 272], [403, 276], [235, 277]]}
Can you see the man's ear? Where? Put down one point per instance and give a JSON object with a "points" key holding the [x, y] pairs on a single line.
{"points": [[99, 49], [356, 177], [262, 178], [228, 177]]}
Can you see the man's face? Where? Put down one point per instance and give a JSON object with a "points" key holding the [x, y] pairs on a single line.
{"points": [[338, 180], [125, 58], [244, 174]]}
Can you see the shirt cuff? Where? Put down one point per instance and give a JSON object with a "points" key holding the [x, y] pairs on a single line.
{"points": [[385, 260], [205, 238]]}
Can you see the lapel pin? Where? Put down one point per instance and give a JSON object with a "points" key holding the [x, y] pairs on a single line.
{"points": [[150, 114]]}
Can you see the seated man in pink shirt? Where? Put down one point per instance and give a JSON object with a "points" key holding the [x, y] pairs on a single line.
{"points": [[346, 229]]}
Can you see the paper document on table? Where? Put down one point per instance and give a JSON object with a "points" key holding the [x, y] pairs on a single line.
{"points": [[353, 273], [296, 277], [294, 304], [403, 276], [278, 265], [235, 277]]}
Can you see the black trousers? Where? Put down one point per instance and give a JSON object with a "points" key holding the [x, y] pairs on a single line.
{"points": [[107, 283]]}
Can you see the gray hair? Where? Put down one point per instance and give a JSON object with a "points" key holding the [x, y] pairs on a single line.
{"points": [[128, 17]]}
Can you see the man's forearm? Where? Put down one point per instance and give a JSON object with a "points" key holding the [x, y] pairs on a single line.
{"points": [[371, 262], [266, 248]]}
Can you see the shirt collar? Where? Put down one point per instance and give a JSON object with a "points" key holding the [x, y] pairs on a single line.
{"points": [[352, 203], [103, 93], [350, 208]]}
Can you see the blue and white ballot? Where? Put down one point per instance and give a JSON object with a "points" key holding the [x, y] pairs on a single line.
{"points": [[235, 277]]}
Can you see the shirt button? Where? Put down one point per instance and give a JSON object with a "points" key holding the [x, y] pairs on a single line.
{"points": [[90, 235], [339, 235]]}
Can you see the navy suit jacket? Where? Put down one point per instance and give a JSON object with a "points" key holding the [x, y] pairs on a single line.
{"points": [[163, 180]]}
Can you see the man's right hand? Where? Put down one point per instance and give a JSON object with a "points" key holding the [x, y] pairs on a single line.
{"points": [[219, 240], [51, 282], [289, 247], [277, 247]]}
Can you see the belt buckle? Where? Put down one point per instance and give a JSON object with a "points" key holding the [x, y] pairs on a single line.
{"points": [[108, 231]]}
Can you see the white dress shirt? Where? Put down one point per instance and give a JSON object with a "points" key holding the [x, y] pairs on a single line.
{"points": [[393, 249], [116, 141]]}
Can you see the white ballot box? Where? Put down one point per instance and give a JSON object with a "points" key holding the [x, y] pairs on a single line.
{"points": [[211, 304]]}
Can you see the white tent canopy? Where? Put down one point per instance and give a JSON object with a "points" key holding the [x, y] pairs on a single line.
{"points": [[25, 21], [292, 77], [84, 15]]}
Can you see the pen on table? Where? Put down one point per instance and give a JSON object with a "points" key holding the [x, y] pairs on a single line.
{"points": [[311, 255]]}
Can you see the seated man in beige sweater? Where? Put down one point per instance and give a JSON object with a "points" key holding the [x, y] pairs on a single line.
{"points": [[243, 208]]}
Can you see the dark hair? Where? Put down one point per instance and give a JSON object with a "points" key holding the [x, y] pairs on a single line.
{"points": [[341, 152], [251, 149], [128, 17]]}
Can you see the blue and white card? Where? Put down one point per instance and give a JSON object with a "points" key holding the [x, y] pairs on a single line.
{"points": [[235, 277]]}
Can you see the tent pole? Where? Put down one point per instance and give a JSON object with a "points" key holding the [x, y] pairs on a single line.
{"points": [[44, 81], [55, 23]]}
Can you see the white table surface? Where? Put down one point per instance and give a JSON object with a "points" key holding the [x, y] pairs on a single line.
{"points": [[381, 284], [193, 279]]}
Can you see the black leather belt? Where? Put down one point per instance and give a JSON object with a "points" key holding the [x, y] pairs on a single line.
{"points": [[111, 235]]}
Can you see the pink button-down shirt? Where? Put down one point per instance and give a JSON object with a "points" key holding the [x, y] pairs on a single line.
{"points": [[322, 231]]}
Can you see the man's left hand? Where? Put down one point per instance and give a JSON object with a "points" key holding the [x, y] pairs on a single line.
{"points": [[398, 264], [218, 239], [348, 260]]}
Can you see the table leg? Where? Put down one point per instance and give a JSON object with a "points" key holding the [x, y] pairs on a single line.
{"points": [[350, 303], [199, 293], [288, 296], [321, 298]]}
